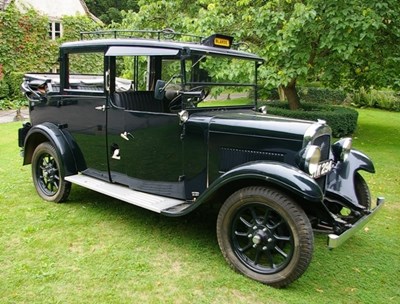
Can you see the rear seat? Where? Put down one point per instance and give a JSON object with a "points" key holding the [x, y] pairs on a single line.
{"points": [[138, 101]]}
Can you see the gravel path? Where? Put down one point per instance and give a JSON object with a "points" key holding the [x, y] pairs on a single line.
{"points": [[11, 115]]}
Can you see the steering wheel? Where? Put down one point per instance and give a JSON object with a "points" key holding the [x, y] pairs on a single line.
{"points": [[195, 100]]}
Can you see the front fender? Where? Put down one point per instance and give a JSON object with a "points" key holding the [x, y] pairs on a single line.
{"points": [[67, 150], [275, 173], [340, 181], [279, 174]]}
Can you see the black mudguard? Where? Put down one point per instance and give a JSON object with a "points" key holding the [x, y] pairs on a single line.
{"points": [[281, 175], [68, 151], [340, 181]]}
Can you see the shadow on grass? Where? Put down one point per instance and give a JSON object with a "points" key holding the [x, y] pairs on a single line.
{"points": [[200, 225]]}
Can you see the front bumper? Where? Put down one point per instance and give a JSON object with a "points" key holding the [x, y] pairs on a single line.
{"points": [[335, 240]]}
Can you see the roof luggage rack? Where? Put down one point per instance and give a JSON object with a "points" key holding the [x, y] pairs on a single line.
{"points": [[216, 40], [165, 34]]}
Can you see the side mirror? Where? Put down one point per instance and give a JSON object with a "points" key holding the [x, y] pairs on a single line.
{"points": [[159, 91]]}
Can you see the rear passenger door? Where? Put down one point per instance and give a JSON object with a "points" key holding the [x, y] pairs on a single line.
{"points": [[81, 107]]}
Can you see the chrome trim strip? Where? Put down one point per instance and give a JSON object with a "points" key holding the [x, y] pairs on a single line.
{"points": [[337, 240]]}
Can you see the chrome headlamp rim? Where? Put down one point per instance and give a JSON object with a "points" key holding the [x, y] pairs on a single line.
{"points": [[312, 158], [342, 148]]}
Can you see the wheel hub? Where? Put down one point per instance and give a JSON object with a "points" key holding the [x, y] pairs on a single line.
{"points": [[262, 236], [49, 172]]}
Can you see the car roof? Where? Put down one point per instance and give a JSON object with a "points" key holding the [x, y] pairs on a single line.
{"points": [[183, 47]]}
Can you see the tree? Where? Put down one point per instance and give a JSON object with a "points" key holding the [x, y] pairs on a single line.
{"points": [[340, 43], [110, 11]]}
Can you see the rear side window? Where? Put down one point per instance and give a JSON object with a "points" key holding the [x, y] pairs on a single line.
{"points": [[86, 71]]}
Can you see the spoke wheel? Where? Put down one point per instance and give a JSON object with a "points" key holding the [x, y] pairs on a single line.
{"points": [[362, 191], [48, 174], [265, 235]]}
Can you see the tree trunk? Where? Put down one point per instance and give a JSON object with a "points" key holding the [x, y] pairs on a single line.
{"points": [[281, 93], [291, 95]]}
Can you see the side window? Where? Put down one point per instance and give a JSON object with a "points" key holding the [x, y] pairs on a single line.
{"points": [[86, 71], [132, 73]]}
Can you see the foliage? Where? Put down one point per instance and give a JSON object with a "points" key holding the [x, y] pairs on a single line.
{"points": [[338, 42], [111, 11], [341, 43], [94, 249], [4, 89], [342, 120], [74, 25], [22, 35], [10, 92], [322, 95], [386, 100]]}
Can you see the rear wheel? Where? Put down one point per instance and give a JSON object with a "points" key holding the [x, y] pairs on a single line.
{"points": [[48, 174], [265, 235]]}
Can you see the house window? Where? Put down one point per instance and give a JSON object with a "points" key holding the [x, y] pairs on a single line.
{"points": [[55, 30]]}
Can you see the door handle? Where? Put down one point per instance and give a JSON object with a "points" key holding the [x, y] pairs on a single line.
{"points": [[101, 108]]}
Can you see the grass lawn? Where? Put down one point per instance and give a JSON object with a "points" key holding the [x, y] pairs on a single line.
{"points": [[94, 249]]}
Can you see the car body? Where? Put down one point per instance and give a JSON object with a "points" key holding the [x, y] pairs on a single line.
{"points": [[169, 126]]}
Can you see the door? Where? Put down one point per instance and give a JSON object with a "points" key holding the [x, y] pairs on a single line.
{"points": [[146, 151]]}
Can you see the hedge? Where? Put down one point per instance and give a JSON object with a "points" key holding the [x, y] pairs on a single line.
{"points": [[342, 120], [311, 94], [322, 95], [11, 96]]}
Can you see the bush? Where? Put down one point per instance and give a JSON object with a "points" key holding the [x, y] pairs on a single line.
{"points": [[386, 100], [310, 94], [322, 95], [11, 96], [4, 89], [342, 120], [14, 81]]}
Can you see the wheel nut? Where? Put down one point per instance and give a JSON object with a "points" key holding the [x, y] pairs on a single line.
{"points": [[256, 240]]}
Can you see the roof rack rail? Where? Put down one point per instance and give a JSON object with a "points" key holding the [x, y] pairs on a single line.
{"points": [[165, 34]]}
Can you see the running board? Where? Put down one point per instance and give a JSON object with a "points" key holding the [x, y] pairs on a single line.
{"points": [[148, 201]]}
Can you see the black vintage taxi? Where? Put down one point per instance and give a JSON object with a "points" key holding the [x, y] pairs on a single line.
{"points": [[172, 125]]}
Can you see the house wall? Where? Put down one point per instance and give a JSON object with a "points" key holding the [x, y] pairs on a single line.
{"points": [[55, 9]]}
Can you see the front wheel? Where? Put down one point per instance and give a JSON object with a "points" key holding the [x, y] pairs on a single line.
{"points": [[265, 235], [48, 174], [362, 191]]}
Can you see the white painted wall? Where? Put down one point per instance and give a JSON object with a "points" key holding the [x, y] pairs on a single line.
{"points": [[54, 9]]}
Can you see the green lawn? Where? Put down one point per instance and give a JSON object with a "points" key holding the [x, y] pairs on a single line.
{"points": [[94, 249]]}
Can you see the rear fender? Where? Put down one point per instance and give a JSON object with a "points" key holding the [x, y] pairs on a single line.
{"points": [[67, 150]]}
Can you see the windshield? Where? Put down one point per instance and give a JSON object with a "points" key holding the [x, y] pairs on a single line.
{"points": [[226, 81], [188, 82]]}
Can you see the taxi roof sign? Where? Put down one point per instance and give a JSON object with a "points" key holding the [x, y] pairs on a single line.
{"points": [[218, 40]]}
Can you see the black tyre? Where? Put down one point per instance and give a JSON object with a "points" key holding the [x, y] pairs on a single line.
{"points": [[362, 191], [48, 174], [265, 235]]}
